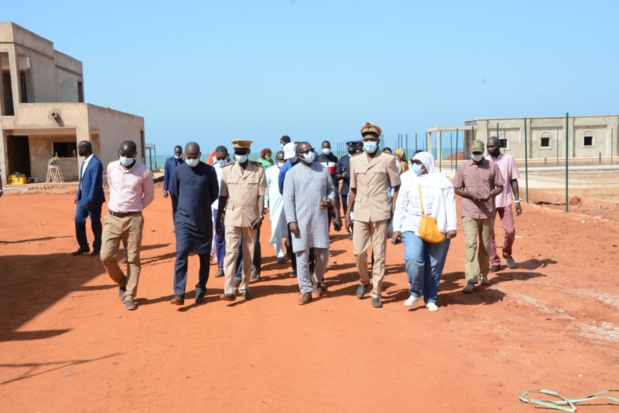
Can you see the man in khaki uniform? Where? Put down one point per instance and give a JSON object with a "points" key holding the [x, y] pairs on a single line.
{"points": [[241, 203], [370, 175]]}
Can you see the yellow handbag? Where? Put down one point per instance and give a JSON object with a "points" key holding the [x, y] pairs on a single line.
{"points": [[428, 229]]}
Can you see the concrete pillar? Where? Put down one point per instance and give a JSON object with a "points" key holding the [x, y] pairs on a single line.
{"points": [[429, 141], [439, 150]]}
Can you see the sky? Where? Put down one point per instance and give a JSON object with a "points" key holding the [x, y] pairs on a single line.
{"points": [[214, 71]]}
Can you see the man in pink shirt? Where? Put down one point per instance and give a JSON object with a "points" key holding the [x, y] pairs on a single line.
{"points": [[503, 201], [131, 190]]}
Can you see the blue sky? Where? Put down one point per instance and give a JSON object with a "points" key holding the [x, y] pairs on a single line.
{"points": [[213, 71]]}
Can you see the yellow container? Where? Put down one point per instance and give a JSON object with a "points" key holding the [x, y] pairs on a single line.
{"points": [[17, 179]]}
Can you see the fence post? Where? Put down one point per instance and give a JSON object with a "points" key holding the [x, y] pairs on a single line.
{"points": [[567, 133], [526, 162]]}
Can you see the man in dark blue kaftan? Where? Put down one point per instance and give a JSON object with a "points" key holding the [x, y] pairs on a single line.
{"points": [[194, 185]]}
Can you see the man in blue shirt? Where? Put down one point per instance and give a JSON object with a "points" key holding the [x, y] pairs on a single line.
{"points": [[170, 164]]}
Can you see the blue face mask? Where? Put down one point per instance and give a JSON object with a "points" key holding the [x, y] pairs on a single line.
{"points": [[124, 161], [417, 169], [241, 158], [370, 147]]}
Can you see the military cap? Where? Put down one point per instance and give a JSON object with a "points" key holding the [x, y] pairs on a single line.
{"points": [[371, 128], [241, 144], [477, 146]]}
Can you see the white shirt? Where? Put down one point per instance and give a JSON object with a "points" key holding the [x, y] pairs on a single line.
{"points": [[83, 168], [218, 170]]}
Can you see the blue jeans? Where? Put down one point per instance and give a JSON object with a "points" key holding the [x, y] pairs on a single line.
{"points": [[220, 244], [424, 264]]}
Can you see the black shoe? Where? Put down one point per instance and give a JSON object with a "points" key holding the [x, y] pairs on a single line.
{"points": [[125, 260], [306, 298], [237, 282], [361, 290], [255, 275], [246, 294], [293, 275], [81, 251], [510, 262], [178, 300], [495, 268], [323, 286], [227, 297], [200, 298], [281, 260], [121, 293], [376, 302], [95, 253]]}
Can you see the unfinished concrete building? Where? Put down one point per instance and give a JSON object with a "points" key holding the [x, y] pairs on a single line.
{"points": [[43, 114]]}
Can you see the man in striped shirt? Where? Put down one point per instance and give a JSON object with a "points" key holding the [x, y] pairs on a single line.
{"points": [[478, 182]]}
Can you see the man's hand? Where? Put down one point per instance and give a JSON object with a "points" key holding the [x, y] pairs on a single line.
{"points": [[482, 198], [256, 223], [294, 229], [518, 209], [451, 234], [396, 237], [89, 206], [337, 224], [347, 221], [326, 202], [165, 194]]}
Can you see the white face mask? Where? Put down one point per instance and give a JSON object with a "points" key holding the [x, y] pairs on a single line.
{"points": [[192, 162], [241, 158], [477, 158], [280, 164], [309, 157], [124, 161], [326, 151], [220, 162]]}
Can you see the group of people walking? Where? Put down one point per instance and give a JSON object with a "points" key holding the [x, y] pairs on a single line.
{"points": [[225, 200]]}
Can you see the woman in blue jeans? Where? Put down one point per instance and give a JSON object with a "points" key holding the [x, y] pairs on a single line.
{"points": [[424, 261]]}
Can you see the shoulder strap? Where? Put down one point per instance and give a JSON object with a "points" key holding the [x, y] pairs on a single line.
{"points": [[420, 199]]}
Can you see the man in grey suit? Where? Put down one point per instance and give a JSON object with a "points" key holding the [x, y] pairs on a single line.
{"points": [[308, 192], [89, 199]]}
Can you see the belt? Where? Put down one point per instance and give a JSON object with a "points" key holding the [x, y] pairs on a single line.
{"points": [[124, 214]]}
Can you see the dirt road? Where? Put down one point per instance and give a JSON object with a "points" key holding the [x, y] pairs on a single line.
{"points": [[68, 345]]}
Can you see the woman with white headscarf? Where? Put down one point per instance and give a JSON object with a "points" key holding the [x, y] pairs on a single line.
{"points": [[424, 261]]}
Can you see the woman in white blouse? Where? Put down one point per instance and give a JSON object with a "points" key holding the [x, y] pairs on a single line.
{"points": [[424, 261]]}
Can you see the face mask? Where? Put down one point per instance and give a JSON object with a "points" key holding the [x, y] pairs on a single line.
{"points": [[177, 157], [281, 145], [352, 151], [495, 153], [220, 162], [477, 158], [124, 161], [309, 157], [370, 147], [192, 162], [280, 164], [241, 158], [417, 169], [326, 151]]}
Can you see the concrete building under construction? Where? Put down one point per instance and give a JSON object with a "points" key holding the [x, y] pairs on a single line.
{"points": [[43, 114]]}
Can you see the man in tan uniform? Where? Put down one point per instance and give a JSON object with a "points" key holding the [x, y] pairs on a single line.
{"points": [[370, 175], [241, 202]]}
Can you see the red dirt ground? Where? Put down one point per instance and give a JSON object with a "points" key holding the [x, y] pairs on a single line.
{"points": [[68, 345]]}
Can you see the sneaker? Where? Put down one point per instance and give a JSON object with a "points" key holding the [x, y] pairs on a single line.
{"points": [[469, 288], [484, 280], [130, 304], [376, 302], [219, 273], [510, 262], [411, 301], [432, 307], [495, 268], [361, 290]]}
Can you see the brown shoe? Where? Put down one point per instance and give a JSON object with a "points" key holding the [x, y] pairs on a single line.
{"points": [[318, 291], [178, 300], [306, 298], [220, 273], [227, 297]]}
